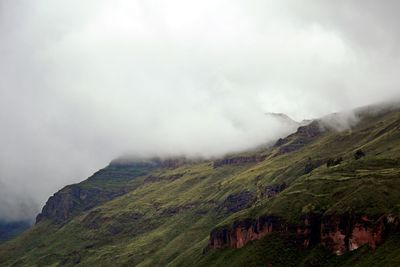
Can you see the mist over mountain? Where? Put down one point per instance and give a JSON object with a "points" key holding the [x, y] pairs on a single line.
{"points": [[200, 133], [82, 83], [326, 194]]}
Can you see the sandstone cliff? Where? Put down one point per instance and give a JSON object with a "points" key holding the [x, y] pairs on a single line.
{"points": [[338, 233]]}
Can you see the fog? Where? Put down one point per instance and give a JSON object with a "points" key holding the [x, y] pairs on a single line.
{"points": [[83, 82]]}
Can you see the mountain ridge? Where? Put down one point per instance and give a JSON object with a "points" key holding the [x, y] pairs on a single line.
{"points": [[169, 213]]}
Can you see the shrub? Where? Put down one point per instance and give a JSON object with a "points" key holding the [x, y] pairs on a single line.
{"points": [[333, 162], [359, 154]]}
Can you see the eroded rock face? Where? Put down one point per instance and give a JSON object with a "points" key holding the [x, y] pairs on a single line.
{"points": [[76, 198], [154, 179], [338, 233], [170, 211], [247, 230], [236, 202], [244, 231], [238, 160], [303, 136], [341, 233], [272, 190], [63, 204], [60, 205], [334, 233]]}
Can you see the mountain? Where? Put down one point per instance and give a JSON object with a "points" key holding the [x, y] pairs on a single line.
{"points": [[9, 230], [286, 121], [326, 195], [282, 117]]}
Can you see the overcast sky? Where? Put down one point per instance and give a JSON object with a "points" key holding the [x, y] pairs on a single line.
{"points": [[82, 82]]}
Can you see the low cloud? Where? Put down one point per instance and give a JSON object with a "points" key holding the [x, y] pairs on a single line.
{"points": [[82, 82], [341, 121]]}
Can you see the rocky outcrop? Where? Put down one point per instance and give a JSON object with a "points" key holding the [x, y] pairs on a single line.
{"points": [[96, 190], [303, 136], [237, 201], [59, 206], [272, 190], [72, 199], [154, 179], [244, 231], [341, 233], [238, 160], [172, 210], [338, 233]]}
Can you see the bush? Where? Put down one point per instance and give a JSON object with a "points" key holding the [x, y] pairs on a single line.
{"points": [[359, 154], [309, 166], [333, 162]]}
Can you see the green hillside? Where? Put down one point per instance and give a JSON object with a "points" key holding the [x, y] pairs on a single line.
{"points": [[161, 212]]}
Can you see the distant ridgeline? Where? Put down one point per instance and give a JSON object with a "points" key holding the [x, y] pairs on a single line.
{"points": [[9, 230], [325, 195]]}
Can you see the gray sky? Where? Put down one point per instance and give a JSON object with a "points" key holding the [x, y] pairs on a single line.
{"points": [[82, 82]]}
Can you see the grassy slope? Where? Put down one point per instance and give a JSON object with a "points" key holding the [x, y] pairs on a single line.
{"points": [[168, 221]]}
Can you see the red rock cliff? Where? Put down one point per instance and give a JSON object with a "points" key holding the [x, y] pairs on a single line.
{"points": [[339, 233]]}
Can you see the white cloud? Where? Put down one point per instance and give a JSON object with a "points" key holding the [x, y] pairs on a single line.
{"points": [[84, 81]]}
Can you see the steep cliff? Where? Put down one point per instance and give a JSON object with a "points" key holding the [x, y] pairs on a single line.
{"points": [[338, 233], [113, 181]]}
